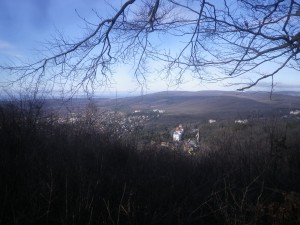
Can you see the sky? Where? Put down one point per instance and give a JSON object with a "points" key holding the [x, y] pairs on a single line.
{"points": [[26, 24]]}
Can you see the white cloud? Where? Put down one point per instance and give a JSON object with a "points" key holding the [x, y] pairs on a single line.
{"points": [[4, 45], [8, 52], [296, 85]]}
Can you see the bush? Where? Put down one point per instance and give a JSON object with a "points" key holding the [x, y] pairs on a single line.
{"points": [[53, 173]]}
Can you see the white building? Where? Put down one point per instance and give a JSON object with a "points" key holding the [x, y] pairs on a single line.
{"points": [[212, 121], [177, 134], [295, 112], [159, 110], [241, 121]]}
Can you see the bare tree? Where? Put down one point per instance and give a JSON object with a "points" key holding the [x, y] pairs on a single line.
{"points": [[215, 40]]}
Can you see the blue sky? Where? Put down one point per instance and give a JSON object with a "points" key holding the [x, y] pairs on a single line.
{"points": [[26, 24]]}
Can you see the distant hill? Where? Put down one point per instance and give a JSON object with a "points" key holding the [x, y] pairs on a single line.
{"points": [[201, 104], [215, 103]]}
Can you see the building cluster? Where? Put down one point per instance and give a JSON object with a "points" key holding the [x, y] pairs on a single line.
{"points": [[159, 110], [121, 124], [118, 123], [241, 121], [295, 112]]}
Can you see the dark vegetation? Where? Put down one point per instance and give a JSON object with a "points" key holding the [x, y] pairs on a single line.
{"points": [[70, 173]]}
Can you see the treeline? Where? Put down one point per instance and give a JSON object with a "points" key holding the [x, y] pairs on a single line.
{"points": [[53, 173]]}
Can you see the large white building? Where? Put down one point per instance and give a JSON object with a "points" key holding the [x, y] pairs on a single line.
{"points": [[177, 134]]}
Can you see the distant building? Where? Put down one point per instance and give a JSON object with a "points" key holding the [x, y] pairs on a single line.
{"points": [[295, 112], [177, 134], [159, 110], [212, 121], [164, 144], [241, 121]]}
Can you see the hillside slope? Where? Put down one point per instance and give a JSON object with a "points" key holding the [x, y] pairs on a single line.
{"points": [[214, 103]]}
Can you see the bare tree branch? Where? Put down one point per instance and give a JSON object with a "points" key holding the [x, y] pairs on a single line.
{"points": [[211, 41]]}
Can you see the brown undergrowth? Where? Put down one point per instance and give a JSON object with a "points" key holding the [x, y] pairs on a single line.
{"points": [[53, 173]]}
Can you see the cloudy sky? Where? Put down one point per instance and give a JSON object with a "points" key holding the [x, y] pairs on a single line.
{"points": [[26, 24]]}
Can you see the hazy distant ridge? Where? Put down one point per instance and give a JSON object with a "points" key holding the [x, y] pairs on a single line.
{"points": [[215, 102]]}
